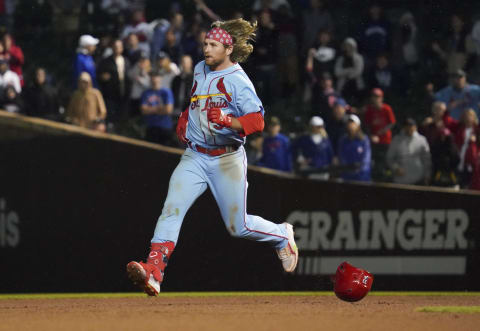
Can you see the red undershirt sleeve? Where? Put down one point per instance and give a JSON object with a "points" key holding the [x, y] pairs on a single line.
{"points": [[251, 123]]}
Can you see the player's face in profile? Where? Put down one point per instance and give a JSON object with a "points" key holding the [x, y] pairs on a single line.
{"points": [[214, 51]]}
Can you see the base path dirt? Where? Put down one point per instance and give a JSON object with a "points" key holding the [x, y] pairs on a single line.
{"points": [[250, 313]]}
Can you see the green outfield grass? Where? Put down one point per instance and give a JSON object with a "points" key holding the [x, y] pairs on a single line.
{"points": [[216, 294], [450, 309]]}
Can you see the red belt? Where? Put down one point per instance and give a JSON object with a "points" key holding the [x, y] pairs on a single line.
{"points": [[214, 151]]}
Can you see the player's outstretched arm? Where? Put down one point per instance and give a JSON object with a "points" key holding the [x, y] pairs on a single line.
{"points": [[244, 125]]}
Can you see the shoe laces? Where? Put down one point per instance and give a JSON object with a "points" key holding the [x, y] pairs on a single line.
{"points": [[284, 253]]}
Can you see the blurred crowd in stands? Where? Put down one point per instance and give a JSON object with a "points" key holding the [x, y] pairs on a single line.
{"points": [[371, 91]]}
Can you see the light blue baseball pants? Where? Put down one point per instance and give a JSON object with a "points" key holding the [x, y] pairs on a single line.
{"points": [[226, 175]]}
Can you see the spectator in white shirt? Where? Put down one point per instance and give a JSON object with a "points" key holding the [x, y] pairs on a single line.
{"points": [[8, 77]]}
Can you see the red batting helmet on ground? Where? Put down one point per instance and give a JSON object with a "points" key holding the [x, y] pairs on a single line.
{"points": [[351, 283]]}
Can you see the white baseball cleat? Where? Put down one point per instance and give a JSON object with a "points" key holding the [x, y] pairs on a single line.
{"points": [[142, 276], [289, 254]]}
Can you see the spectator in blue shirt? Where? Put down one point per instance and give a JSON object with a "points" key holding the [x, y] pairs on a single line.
{"points": [[314, 150], [354, 152], [156, 106], [84, 61], [459, 95], [276, 148]]}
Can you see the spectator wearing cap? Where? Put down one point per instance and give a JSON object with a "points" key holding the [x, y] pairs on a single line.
{"points": [[14, 55], [336, 123], [139, 75], [84, 61], [459, 95], [349, 70], [314, 150], [276, 148], [379, 121], [354, 153], [87, 108], [408, 156], [156, 106], [167, 69], [254, 148], [114, 81], [8, 77]]}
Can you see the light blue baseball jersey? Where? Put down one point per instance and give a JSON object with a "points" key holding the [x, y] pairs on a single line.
{"points": [[225, 175], [230, 90]]}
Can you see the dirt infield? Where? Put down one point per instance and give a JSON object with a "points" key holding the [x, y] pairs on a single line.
{"points": [[251, 313]]}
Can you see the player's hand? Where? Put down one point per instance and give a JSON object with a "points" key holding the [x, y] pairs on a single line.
{"points": [[217, 116], [182, 126]]}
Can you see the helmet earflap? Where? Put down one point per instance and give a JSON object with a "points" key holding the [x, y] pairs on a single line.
{"points": [[351, 283]]}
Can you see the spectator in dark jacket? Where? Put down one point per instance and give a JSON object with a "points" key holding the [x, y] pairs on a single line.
{"points": [[313, 150], [115, 82], [41, 99], [336, 123], [182, 84], [276, 148], [314, 19], [354, 152], [445, 159], [382, 75], [265, 57], [324, 96], [172, 47], [132, 50], [84, 61], [375, 33]]}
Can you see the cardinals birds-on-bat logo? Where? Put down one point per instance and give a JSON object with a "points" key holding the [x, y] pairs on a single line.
{"points": [[223, 90]]}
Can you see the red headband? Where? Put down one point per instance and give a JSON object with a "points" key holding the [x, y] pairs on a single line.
{"points": [[220, 35]]}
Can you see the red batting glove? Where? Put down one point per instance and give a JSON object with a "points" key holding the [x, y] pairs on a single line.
{"points": [[216, 115], [182, 126]]}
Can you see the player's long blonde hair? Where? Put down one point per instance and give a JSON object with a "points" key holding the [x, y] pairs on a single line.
{"points": [[242, 32]]}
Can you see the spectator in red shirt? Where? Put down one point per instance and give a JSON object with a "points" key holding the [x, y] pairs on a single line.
{"points": [[379, 121], [14, 55], [465, 134]]}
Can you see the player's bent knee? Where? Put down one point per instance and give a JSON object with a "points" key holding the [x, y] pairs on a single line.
{"points": [[240, 232]]}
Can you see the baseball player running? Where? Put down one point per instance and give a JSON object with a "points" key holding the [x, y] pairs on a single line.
{"points": [[224, 109]]}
